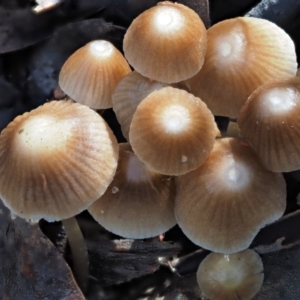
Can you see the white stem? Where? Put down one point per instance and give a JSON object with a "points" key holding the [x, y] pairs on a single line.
{"points": [[79, 251]]}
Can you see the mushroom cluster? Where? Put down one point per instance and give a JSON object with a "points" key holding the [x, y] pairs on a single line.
{"points": [[176, 167]]}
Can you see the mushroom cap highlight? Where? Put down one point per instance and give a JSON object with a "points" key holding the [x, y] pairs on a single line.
{"points": [[232, 276], [222, 205], [270, 121], [55, 161], [129, 93], [242, 54], [161, 37], [172, 131], [139, 203], [90, 75]]}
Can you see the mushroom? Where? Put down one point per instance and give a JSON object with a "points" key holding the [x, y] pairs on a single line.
{"points": [[161, 37], [130, 92], [90, 75], [269, 121], [139, 203], [222, 205], [242, 54], [55, 161], [231, 276], [172, 131]]}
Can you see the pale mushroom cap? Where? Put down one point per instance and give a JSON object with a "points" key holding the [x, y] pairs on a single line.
{"points": [[161, 37], [55, 161], [172, 131], [269, 121], [129, 93], [139, 203], [90, 75], [242, 54], [232, 276], [222, 205]]}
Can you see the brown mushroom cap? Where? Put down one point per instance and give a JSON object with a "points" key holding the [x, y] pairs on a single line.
{"points": [[270, 121], [129, 93], [222, 205], [242, 54], [55, 161], [172, 131], [139, 203], [161, 37], [90, 75], [230, 277]]}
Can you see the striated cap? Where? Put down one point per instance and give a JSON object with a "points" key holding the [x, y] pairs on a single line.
{"points": [[139, 203], [172, 131], [55, 161], [232, 276], [90, 75], [129, 93], [166, 43], [269, 121], [242, 54], [222, 205]]}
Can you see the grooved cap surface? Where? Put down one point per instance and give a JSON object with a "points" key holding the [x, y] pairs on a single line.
{"points": [[232, 276], [166, 43], [139, 203], [172, 131], [242, 54], [222, 205], [55, 161], [90, 75]]}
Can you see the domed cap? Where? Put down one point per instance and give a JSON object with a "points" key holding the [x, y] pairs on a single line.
{"points": [[232, 276], [242, 54], [90, 75], [55, 161], [222, 205], [269, 121], [161, 37], [129, 93], [139, 203], [172, 131]]}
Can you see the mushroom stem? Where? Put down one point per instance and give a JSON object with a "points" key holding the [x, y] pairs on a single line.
{"points": [[79, 251]]}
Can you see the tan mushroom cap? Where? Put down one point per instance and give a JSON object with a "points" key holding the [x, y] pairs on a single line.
{"points": [[270, 121], [242, 54], [55, 161], [90, 75], [139, 203], [129, 93], [222, 205], [172, 131], [232, 276], [166, 42]]}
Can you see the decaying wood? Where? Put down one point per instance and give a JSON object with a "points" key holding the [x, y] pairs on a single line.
{"points": [[118, 261], [31, 267]]}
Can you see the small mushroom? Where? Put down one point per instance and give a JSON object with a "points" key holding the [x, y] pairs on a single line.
{"points": [[90, 75], [139, 203], [172, 131], [222, 205], [270, 121], [231, 276], [242, 54], [129, 93], [166, 43]]}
